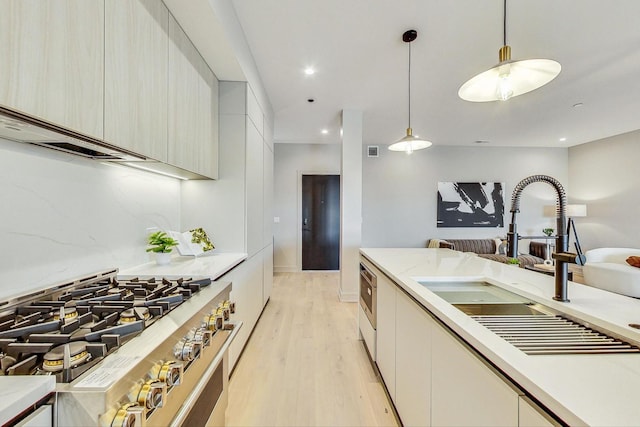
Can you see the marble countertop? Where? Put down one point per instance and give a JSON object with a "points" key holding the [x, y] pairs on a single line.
{"points": [[18, 393], [598, 390], [211, 265]]}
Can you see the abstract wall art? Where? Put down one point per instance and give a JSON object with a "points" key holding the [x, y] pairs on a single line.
{"points": [[470, 204]]}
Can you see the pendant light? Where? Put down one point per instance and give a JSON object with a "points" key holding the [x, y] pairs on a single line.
{"points": [[410, 143], [509, 78]]}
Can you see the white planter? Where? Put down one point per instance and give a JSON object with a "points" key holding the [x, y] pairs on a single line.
{"points": [[163, 258]]}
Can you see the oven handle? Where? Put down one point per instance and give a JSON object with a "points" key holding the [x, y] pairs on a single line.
{"points": [[368, 275], [189, 403]]}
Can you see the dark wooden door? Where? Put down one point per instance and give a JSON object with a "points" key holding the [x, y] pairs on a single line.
{"points": [[320, 222]]}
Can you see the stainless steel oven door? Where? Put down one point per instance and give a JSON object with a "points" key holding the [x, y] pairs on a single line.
{"points": [[368, 293]]}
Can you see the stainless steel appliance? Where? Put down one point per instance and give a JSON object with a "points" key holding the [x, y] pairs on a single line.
{"points": [[368, 293], [125, 351]]}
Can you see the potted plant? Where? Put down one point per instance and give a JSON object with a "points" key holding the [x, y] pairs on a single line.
{"points": [[513, 261], [547, 231], [161, 244]]}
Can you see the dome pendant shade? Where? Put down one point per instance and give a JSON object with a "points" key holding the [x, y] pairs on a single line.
{"points": [[410, 143], [509, 78]]}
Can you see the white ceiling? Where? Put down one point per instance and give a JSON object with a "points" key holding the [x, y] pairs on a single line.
{"points": [[362, 63]]}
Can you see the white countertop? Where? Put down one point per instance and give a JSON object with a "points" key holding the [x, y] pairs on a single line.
{"points": [[211, 265], [599, 390], [18, 393]]}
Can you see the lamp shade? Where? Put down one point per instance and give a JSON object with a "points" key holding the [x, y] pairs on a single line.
{"points": [[571, 211], [509, 79], [410, 143], [576, 211]]}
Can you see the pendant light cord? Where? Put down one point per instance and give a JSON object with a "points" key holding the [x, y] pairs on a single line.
{"points": [[409, 84], [504, 24]]}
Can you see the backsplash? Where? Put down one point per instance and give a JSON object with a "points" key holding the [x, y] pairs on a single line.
{"points": [[65, 216]]}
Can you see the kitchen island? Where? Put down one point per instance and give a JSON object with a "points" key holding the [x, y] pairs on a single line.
{"points": [[576, 389]]}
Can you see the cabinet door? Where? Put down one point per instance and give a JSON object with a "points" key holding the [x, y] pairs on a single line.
{"points": [[267, 283], [465, 391], [193, 107], [530, 415], [268, 195], [386, 332], [246, 291], [136, 55], [254, 189], [53, 61], [413, 362]]}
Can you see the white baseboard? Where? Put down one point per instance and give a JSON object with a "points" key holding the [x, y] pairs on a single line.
{"points": [[347, 297], [285, 269]]}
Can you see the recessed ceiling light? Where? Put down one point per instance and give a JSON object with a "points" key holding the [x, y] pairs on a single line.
{"points": [[563, 139], [311, 100], [578, 105], [481, 141], [309, 71], [324, 131]]}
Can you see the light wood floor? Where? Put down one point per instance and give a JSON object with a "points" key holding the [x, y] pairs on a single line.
{"points": [[304, 365]]}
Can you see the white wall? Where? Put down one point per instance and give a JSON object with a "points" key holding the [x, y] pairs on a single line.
{"points": [[604, 175], [400, 191], [65, 216], [290, 161]]}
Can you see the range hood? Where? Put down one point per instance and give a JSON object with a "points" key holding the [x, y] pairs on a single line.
{"points": [[17, 126]]}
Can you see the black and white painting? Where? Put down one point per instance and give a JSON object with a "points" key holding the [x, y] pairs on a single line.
{"points": [[470, 204]]}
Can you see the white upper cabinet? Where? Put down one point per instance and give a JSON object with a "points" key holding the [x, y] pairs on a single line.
{"points": [[53, 61], [136, 61], [193, 107]]}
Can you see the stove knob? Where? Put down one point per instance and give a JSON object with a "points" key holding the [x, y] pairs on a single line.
{"points": [[226, 310], [129, 415], [171, 373], [210, 322], [187, 349], [152, 394], [202, 336]]}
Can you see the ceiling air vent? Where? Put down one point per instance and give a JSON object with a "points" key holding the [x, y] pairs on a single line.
{"points": [[372, 151]]}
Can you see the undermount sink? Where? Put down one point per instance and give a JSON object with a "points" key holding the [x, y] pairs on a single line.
{"points": [[472, 292], [531, 327], [514, 309]]}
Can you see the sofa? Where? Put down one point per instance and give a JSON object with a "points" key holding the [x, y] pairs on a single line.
{"points": [[606, 268], [488, 248]]}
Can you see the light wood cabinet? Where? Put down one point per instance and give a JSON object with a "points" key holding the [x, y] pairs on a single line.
{"points": [[386, 332], [193, 107], [413, 362], [136, 62], [464, 390], [53, 61]]}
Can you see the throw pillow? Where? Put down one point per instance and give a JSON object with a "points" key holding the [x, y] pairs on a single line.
{"points": [[634, 261]]}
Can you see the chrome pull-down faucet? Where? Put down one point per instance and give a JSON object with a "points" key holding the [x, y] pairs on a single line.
{"points": [[562, 257]]}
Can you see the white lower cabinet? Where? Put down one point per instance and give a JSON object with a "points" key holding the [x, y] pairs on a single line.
{"points": [[413, 362], [433, 378], [386, 332], [530, 415], [246, 291], [464, 390]]}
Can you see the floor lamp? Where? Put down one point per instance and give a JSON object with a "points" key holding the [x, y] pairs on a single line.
{"points": [[575, 211]]}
